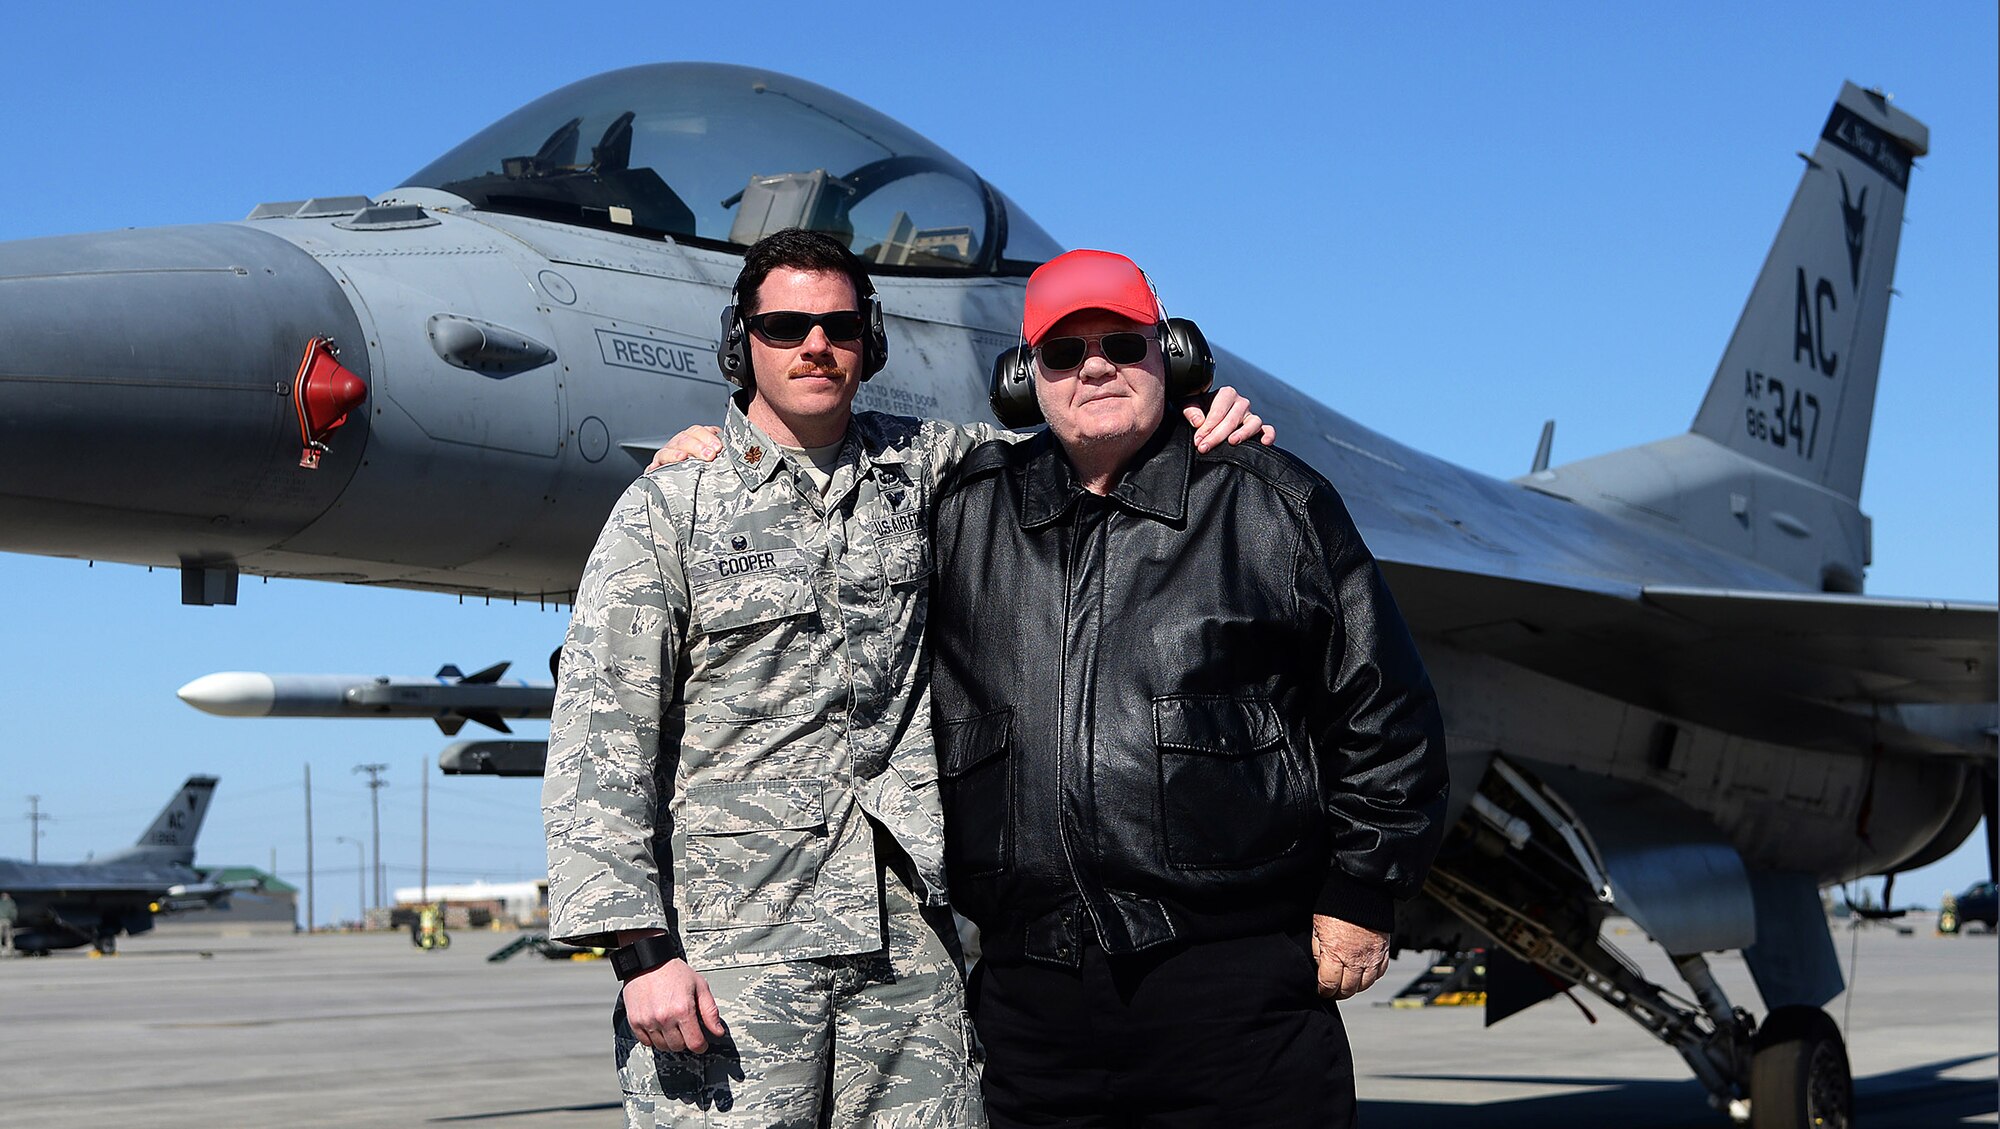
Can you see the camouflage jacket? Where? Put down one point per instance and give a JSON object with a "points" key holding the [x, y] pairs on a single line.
{"points": [[744, 677]]}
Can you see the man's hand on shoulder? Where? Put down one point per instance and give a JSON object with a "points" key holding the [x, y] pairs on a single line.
{"points": [[702, 441], [670, 1008], [1351, 957], [1228, 418]]}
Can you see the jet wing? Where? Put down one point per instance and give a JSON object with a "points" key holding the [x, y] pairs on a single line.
{"points": [[64, 889], [36, 887], [1854, 648], [1804, 669], [56, 880]]}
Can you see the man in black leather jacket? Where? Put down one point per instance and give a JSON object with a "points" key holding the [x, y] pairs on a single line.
{"points": [[1190, 757]]}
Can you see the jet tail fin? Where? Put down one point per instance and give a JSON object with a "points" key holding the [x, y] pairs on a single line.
{"points": [[1796, 386], [170, 837]]}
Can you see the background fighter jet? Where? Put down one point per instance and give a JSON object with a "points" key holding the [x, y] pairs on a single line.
{"points": [[564, 266], [63, 906]]}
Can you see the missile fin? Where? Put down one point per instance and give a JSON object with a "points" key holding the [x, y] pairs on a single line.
{"points": [[489, 719], [490, 674]]}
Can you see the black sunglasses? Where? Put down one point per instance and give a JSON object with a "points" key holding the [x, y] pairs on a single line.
{"points": [[1061, 354], [789, 327]]}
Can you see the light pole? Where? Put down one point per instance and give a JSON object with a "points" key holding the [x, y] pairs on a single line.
{"points": [[36, 817], [360, 877], [375, 786]]}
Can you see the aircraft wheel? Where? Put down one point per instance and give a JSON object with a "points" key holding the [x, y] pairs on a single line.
{"points": [[444, 940], [106, 945], [1798, 1073]]}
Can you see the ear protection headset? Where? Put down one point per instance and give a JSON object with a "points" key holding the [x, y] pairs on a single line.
{"points": [[732, 350], [1190, 370]]}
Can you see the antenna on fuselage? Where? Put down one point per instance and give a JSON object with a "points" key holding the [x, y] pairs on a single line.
{"points": [[1542, 448]]}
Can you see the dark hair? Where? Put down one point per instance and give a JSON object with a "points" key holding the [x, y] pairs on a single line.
{"points": [[795, 248]]}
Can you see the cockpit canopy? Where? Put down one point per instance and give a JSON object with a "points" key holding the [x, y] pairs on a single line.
{"points": [[720, 155]]}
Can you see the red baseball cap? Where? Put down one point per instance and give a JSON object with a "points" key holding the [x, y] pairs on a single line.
{"points": [[1086, 280]]}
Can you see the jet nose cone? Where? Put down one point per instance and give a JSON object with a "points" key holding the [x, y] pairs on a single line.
{"points": [[147, 387], [231, 693]]}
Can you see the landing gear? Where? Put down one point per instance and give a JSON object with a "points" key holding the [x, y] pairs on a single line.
{"points": [[1713, 1038], [106, 943], [1523, 872], [1798, 1072]]}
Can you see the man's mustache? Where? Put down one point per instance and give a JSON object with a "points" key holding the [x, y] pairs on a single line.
{"points": [[832, 372]]}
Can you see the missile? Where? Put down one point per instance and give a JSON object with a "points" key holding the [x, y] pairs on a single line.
{"points": [[451, 698]]}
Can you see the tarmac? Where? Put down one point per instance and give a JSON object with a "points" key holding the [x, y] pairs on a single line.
{"points": [[186, 1029]]}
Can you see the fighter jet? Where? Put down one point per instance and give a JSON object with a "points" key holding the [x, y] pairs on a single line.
{"points": [[1666, 695], [91, 903]]}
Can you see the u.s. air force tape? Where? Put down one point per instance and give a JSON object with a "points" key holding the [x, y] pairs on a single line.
{"points": [[897, 524]]}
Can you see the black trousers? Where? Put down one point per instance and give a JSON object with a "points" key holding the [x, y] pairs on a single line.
{"points": [[1224, 1033]]}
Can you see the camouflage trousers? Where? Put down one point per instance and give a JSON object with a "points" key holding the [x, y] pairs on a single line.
{"points": [[879, 1040]]}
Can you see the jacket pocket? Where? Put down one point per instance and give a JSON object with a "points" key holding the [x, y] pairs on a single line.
{"points": [[906, 557], [754, 848], [1230, 794], [902, 538], [757, 647], [978, 789]]}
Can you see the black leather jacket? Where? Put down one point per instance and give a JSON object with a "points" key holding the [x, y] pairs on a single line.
{"points": [[1186, 710]]}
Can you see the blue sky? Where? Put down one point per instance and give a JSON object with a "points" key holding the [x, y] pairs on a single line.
{"points": [[1450, 223]]}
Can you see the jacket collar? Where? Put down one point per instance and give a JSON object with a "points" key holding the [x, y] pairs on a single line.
{"points": [[757, 458], [752, 452], [1155, 482]]}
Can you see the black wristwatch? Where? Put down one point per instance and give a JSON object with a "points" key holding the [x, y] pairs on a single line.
{"points": [[645, 955]]}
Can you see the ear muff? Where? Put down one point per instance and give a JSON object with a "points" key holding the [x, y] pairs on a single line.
{"points": [[875, 342], [1012, 392], [732, 348], [1190, 365], [1190, 371]]}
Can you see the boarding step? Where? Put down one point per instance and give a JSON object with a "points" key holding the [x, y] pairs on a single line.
{"points": [[526, 940]]}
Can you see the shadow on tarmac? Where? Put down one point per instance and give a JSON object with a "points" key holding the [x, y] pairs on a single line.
{"points": [[1917, 1098], [496, 1114]]}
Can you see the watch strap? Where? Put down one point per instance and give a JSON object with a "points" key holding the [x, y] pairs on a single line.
{"points": [[645, 955]]}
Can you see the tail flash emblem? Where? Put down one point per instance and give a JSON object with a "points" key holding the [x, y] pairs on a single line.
{"points": [[1854, 212]]}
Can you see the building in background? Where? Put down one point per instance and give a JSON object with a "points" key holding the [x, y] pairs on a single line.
{"points": [[472, 904]]}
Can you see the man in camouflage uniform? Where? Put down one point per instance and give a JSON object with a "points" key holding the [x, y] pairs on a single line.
{"points": [[741, 784]]}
